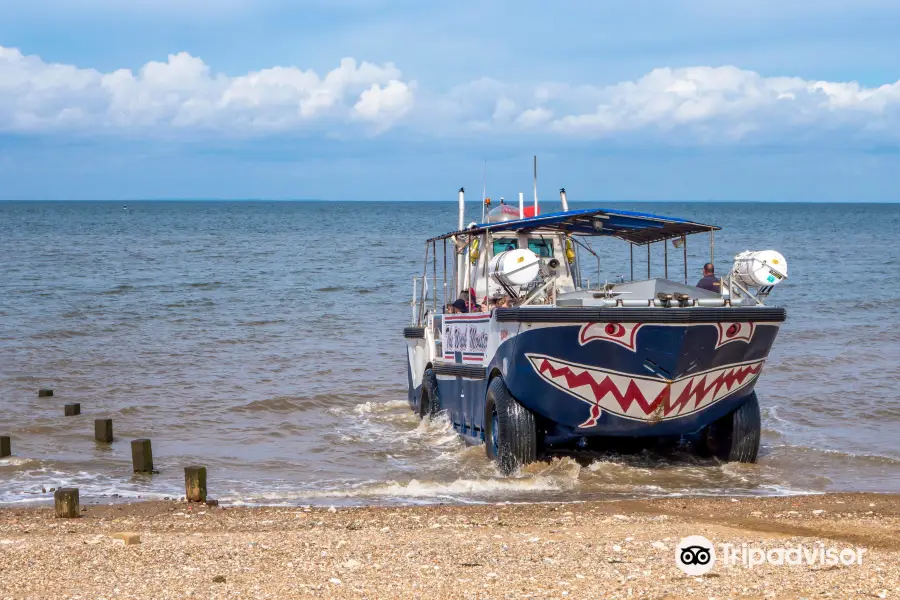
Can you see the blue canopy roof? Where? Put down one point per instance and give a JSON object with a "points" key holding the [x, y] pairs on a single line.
{"points": [[634, 227]]}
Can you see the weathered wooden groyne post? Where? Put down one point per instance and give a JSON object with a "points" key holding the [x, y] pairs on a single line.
{"points": [[45, 393], [66, 502], [195, 483], [142, 456], [103, 430], [72, 410], [5, 446]]}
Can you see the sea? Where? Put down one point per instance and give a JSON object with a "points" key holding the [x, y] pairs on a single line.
{"points": [[264, 341]]}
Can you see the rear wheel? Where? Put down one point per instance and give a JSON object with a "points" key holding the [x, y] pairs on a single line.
{"points": [[735, 437], [429, 399], [510, 433]]}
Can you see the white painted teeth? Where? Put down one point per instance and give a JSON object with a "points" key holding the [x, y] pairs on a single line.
{"points": [[638, 397]]}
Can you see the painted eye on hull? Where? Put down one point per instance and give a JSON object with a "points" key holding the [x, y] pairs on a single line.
{"points": [[733, 330], [615, 330]]}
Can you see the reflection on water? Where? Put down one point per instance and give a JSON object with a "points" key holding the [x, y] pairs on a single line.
{"points": [[264, 340]]}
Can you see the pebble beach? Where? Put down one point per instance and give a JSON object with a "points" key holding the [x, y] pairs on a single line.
{"points": [[614, 549]]}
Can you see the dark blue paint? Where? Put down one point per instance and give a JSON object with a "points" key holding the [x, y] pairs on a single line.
{"points": [[679, 351]]}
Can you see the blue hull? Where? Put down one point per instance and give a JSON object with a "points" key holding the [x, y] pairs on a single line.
{"points": [[605, 380]]}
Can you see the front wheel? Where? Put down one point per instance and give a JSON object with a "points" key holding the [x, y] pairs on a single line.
{"points": [[510, 433], [735, 437], [429, 399]]}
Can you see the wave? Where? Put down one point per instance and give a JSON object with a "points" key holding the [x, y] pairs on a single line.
{"points": [[258, 323], [56, 334], [291, 403]]}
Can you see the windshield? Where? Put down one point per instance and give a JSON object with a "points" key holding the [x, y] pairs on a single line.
{"points": [[504, 244], [543, 248]]}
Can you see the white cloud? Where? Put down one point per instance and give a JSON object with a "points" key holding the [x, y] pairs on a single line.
{"points": [[703, 104], [534, 117], [183, 94], [384, 105]]}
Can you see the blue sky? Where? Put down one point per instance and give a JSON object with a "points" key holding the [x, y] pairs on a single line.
{"points": [[370, 99]]}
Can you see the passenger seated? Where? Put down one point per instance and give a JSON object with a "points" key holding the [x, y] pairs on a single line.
{"points": [[710, 281], [459, 307], [500, 302]]}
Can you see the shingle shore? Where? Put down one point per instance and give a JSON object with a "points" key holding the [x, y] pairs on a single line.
{"points": [[622, 549]]}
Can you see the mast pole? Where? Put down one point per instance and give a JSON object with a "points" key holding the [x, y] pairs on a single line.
{"points": [[521, 205], [535, 187], [434, 277], [484, 191], [684, 245], [459, 257]]}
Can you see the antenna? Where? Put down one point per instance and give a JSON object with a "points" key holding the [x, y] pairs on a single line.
{"points": [[535, 187]]}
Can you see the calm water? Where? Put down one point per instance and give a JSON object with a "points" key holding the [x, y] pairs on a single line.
{"points": [[264, 340]]}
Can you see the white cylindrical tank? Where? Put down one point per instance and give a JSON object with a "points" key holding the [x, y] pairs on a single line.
{"points": [[759, 268], [517, 267]]}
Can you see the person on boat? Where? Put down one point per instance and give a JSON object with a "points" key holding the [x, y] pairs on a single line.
{"points": [[459, 306], [501, 302], [709, 281]]}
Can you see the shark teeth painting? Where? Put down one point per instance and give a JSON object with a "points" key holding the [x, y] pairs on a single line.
{"points": [[643, 398]]}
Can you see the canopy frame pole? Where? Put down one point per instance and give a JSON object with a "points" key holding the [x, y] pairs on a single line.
{"points": [[631, 258], [648, 259], [712, 246], [488, 243], [445, 274], [684, 245], [421, 318], [666, 258]]}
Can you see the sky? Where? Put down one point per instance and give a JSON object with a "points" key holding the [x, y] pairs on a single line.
{"points": [[652, 100]]}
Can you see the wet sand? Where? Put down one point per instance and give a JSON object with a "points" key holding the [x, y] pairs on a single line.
{"points": [[617, 549]]}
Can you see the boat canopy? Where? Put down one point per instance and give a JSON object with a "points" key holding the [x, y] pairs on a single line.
{"points": [[633, 227]]}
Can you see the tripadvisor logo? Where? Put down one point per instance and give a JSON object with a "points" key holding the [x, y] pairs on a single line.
{"points": [[695, 555]]}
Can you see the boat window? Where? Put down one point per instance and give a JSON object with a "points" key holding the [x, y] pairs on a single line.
{"points": [[543, 248], [504, 244]]}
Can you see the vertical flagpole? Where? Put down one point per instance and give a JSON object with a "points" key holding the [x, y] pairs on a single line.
{"points": [[521, 205], [535, 187]]}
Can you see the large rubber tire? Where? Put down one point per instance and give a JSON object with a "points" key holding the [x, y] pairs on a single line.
{"points": [[735, 437], [510, 433], [429, 398]]}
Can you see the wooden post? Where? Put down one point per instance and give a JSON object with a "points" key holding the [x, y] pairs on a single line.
{"points": [[103, 430], [195, 484], [142, 456], [72, 410], [45, 393], [5, 446], [66, 502]]}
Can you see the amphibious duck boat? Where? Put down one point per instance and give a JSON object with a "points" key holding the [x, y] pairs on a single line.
{"points": [[535, 358]]}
